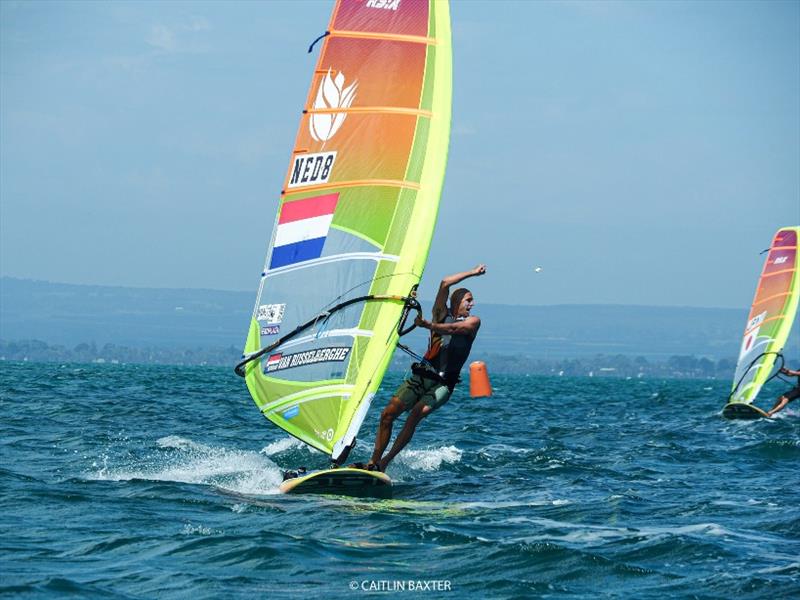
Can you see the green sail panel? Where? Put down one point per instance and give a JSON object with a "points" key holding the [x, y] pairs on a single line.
{"points": [[355, 218]]}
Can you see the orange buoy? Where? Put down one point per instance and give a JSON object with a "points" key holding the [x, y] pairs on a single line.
{"points": [[479, 380]]}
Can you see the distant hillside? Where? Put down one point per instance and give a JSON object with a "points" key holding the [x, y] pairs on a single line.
{"points": [[181, 318], [71, 314]]}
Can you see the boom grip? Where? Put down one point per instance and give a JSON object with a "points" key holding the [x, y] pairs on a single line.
{"points": [[411, 304]]}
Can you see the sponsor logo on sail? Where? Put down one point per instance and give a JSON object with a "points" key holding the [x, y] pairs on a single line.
{"points": [[271, 330], [781, 259], [291, 413], [751, 333], [756, 321], [278, 362], [386, 4], [332, 94], [325, 435], [311, 169], [271, 313]]}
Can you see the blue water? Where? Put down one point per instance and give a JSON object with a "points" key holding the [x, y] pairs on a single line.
{"points": [[150, 481]]}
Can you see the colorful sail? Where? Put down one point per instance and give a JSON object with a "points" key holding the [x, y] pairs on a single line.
{"points": [[771, 316], [356, 217]]}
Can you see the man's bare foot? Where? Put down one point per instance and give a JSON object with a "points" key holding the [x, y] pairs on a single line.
{"points": [[370, 466]]}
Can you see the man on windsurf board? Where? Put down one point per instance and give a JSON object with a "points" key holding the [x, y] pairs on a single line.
{"points": [[792, 394], [453, 330]]}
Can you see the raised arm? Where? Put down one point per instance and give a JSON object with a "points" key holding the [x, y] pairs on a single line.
{"points": [[468, 326], [790, 372], [440, 304]]}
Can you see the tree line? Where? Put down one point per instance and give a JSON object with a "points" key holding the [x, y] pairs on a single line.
{"points": [[598, 365]]}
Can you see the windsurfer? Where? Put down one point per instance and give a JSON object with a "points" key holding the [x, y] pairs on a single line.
{"points": [[453, 329], [792, 394]]}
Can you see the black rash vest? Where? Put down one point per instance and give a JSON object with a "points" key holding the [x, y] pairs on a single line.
{"points": [[448, 353]]}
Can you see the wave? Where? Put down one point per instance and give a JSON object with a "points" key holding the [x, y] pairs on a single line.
{"points": [[430, 459], [773, 448], [240, 471], [282, 445]]}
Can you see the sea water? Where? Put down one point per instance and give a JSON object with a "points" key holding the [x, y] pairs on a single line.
{"points": [[162, 482]]}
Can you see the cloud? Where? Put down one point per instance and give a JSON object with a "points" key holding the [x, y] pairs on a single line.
{"points": [[179, 38], [603, 8], [198, 24], [460, 129], [162, 37]]}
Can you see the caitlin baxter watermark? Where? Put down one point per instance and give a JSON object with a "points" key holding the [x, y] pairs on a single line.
{"points": [[401, 585]]}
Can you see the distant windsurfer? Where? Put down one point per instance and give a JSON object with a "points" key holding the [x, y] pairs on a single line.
{"points": [[453, 330], [792, 394]]}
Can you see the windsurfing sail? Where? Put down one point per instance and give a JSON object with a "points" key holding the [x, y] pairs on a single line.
{"points": [[355, 218], [771, 316]]}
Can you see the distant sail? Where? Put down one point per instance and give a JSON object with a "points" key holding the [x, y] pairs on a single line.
{"points": [[771, 316], [356, 217]]}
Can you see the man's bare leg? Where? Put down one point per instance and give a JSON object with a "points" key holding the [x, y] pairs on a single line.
{"points": [[419, 412], [393, 410], [782, 401]]}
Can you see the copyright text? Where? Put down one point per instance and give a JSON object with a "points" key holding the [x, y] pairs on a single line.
{"points": [[401, 585]]}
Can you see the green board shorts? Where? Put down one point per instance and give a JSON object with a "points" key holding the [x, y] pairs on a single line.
{"points": [[420, 389]]}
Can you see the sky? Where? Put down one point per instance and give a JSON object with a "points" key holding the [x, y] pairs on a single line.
{"points": [[639, 152]]}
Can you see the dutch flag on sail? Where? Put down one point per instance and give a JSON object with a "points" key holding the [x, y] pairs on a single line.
{"points": [[302, 229], [272, 362]]}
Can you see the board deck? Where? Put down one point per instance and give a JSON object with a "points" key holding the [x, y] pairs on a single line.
{"points": [[344, 481], [743, 410]]}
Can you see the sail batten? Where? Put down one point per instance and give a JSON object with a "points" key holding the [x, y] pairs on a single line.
{"points": [[392, 183], [411, 39], [392, 110], [355, 218], [352, 256]]}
